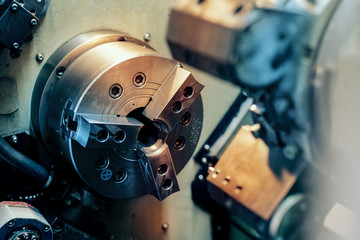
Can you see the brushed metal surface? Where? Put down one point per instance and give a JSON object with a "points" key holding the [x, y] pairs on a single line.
{"points": [[68, 18]]}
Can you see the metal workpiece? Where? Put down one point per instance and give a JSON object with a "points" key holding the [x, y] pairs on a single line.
{"points": [[268, 48], [21, 221], [157, 166], [17, 20], [174, 97], [245, 174], [94, 131], [104, 101], [252, 43]]}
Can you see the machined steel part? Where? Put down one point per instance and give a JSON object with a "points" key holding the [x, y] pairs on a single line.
{"points": [[21, 221], [226, 38], [268, 48], [17, 20], [127, 119]]}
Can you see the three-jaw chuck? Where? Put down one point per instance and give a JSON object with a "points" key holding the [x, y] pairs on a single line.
{"points": [[125, 118]]}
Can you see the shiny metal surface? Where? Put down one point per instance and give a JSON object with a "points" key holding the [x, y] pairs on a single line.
{"points": [[244, 173], [226, 38], [289, 218], [19, 220], [274, 53], [89, 96], [69, 18], [17, 21]]}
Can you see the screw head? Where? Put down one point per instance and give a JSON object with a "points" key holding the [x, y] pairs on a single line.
{"points": [[39, 57], [46, 228], [14, 7], [14, 139], [11, 223], [16, 45], [60, 71], [165, 226], [33, 22], [139, 79], [147, 37]]}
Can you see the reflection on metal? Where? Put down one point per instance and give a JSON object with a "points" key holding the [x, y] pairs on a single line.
{"points": [[243, 173], [17, 20], [226, 38], [19, 220], [114, 109], [268, 48]]}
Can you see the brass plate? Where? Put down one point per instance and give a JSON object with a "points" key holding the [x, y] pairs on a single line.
{"points": [[244, 174]]}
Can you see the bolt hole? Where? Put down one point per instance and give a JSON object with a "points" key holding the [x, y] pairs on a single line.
{"points": [[102, 162], [238, 9], [188, 92], [185, 119], [167, 184], [33, 11], [226, 181], [238, 189], [151, 132], [120, 176], [200, 1], [120, 136], [176, 107], [139, 80], [122, 39], [102, 135], [115, 91], [162, 170], [179, 143], [60, 71]]}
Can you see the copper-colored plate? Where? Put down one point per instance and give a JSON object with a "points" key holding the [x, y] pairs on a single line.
{"points": [[244, 174]]}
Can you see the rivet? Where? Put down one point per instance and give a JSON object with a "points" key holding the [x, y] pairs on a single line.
{"points": [[16, 45], [165, 226], [11, 223], [14, 7], [39, 57], [46, 228], [201, 177], [14, 139], [147, 37], [33, 22]]}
